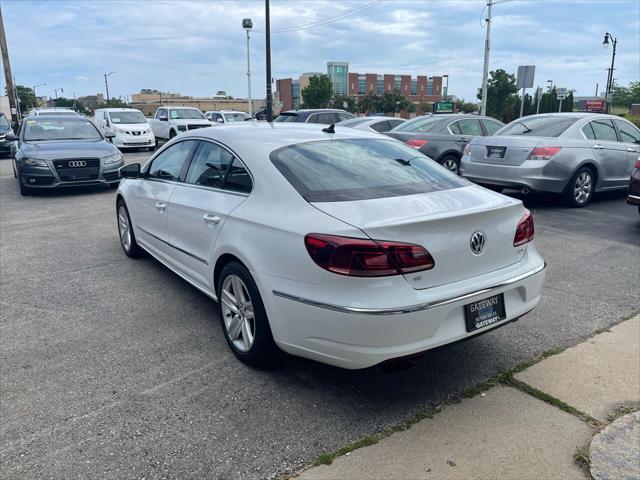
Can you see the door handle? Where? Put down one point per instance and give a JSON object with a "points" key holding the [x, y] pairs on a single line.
{"points": [[598, 146], [211, 219], [161, 207]]}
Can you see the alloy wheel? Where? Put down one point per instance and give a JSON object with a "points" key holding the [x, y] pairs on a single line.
{"points": [[238, 313], [582, 188], [124, 228], [451, 165]]}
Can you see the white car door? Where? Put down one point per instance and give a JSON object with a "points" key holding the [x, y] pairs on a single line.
{"points": [[150, 196], [215, 184]]}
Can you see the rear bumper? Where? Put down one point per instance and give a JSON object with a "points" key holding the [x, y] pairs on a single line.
{"points": [[532, 174], [134, 141], [633, 199], [397, 320]]}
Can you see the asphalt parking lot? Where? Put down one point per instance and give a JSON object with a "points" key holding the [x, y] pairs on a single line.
{"points": [[115, 368]]}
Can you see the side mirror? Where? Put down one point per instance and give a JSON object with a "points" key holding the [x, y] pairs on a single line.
{"points": [[10, 137], [130, 171], [109, 134], [163, 118]]}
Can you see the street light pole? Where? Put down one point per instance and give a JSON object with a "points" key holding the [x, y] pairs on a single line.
{"points": [[56, 90], [605, 44], [485, 69], [106, 84], [267, 37], [247, 24], [34, 91]]}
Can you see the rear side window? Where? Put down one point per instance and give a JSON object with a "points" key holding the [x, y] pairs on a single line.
{"points": [[543, 126], [603, 130], [395, 123], [588, 131], [470, 127], [382, 126], [454, 128], [360, 169], [628, 133]]}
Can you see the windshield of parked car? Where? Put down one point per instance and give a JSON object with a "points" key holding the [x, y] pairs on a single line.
{"points": [[420, 124], [360, 169], [185, 114], [236, 117], [546, 126], [287, 117], [118, 118], [59, 129], [3, 122]]}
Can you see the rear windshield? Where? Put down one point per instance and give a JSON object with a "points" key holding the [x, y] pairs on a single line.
{"points": [[360, 169], [547, 126], [286, 117], [420, 124], [352, 122]]}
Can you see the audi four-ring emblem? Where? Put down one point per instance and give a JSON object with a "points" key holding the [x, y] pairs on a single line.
{"points": [[477, 243], [78, 163]]}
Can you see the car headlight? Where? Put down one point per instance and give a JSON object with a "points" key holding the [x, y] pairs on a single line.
{"points": [[118, 130], [34, 162], [182, 128], [116, 157]]}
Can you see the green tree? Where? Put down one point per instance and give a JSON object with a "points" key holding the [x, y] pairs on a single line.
{"points": [[318, 93], [424, 107], [465, 107], [625, 96], [370, 103], [340, 101], [26, 98], [393, 101], [503, 98], [70, 103]]}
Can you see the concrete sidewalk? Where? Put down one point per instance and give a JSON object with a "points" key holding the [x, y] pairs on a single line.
{"points": [[536, 423]]}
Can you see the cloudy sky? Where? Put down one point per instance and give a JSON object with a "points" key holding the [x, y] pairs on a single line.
{"points": [[198, 47]]}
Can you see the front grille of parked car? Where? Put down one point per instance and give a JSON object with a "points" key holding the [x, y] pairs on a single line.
{"points": [[193, 127], [108, 176], [73, 169]]}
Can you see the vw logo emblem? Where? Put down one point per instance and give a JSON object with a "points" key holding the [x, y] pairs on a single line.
{"points": [[477, 243], [78, 163]]}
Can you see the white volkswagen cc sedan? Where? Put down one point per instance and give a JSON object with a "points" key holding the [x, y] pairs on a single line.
{"points": [[337, 245]]}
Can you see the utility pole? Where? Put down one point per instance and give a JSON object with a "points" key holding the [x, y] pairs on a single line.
{"points": [[106, 84], [268, 48], [13, 104], [485, 70], [247, 24], [538, 95], [609, 90]]}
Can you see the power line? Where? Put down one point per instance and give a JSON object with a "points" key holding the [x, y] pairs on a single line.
{"points": [[325, 21]]}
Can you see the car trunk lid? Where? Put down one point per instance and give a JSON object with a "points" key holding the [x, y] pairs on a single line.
{"points": [[443, 223], [503, 150]]}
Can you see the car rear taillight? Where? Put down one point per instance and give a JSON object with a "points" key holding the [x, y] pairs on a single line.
{"points": [[467, 149], [543, 153], [525, 231], [358, 257], [637, 163], [416, 143]]}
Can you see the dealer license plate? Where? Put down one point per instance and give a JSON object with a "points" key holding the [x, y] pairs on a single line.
{"points": [[484, 312]]}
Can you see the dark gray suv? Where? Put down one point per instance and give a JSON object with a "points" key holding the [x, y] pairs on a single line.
{"points": [[443, 137]]}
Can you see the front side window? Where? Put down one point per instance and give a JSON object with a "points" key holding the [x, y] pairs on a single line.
{"points": [[491, 126], [628, 133], [603, 130], [161, 113], [360, 169], [59, 129], [209, 165], [542, 126], [168, 164]]}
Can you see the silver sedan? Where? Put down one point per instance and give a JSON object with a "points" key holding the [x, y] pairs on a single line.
{"points": [[573, 154]]}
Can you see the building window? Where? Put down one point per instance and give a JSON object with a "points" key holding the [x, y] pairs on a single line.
{"points": [[414, 86], [397, 84], [361, 85], [429, 86], [295, 94], [380, 86]]}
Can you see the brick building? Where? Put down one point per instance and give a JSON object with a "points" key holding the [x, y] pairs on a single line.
{"points": [[421, 88]]}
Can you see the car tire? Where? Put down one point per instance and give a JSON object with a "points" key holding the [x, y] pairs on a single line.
{"points": [[580, 188], [172, 134], [125, 232], [243, 318], [24, 190], [451, 163]]}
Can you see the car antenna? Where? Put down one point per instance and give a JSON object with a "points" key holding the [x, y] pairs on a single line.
{"points": [[330, 129]]}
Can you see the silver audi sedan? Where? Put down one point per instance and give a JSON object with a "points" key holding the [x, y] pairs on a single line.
{"points": [[573, 154]]}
